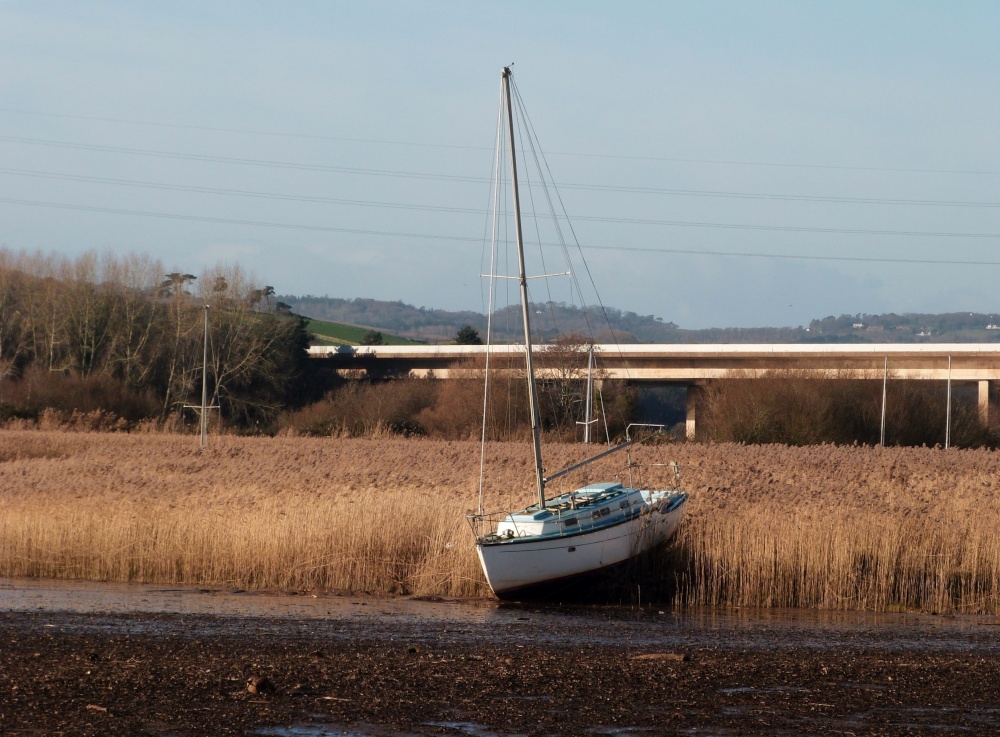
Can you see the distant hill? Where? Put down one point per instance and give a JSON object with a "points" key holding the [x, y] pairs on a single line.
{"points": [[334, 333], [439, 326], [949, 327], [420, 324]]}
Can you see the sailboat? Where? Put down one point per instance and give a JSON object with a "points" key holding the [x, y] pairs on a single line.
{"points": [[528, 552]]}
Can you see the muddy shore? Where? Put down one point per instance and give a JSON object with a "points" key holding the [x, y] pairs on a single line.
{"points": [[360, 667]]}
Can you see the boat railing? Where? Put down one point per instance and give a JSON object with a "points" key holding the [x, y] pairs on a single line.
{"points": [[628, 430], [634, 468], [484, 526], [583, 512], [636, 472]]}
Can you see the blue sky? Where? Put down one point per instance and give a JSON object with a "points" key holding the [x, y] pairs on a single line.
{"points": [[799, 132]]}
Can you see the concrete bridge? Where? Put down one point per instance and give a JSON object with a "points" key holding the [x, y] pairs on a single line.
{"points": [[694, 365]]}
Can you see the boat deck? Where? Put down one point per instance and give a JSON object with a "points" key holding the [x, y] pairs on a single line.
{"points": [[583, 510]]}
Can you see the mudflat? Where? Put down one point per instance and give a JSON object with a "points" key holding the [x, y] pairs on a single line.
{"points": [[211, 663]]}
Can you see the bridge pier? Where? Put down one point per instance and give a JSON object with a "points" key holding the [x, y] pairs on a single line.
{"points": [[691, 405], [984, 401]]}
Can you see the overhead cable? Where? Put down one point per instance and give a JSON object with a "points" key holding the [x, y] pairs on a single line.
{"points": [[464, 239], [460, 178], [634, 157]]}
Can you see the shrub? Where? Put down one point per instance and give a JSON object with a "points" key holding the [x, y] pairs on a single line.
{"points": [[64, 395]]}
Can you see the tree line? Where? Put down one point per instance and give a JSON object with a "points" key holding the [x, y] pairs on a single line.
{"points": [[124, 336], [793, 408]]}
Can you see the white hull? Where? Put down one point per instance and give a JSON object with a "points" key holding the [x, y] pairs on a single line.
{"points": [[522, 563]]}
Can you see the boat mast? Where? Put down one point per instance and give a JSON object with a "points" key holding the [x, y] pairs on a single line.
{"points": [[523, 279]]}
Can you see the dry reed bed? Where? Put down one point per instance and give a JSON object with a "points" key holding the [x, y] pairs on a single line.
{"points": [[823, 526]]}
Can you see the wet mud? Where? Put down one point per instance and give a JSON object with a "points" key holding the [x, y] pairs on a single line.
{"points": [[93, 660]]}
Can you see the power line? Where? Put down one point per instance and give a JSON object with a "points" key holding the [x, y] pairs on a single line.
{"points": [[235, 160], [780, 197], [626, 157], [806, 229], [234, 192], [672, 223], [244, 131], [425, 236], [229, 221], [593, 187], [776, 165], [792, 257]]}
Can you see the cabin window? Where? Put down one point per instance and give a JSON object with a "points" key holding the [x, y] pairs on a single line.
{"points": [[570, 522]]}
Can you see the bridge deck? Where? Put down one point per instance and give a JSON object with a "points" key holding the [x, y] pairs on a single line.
{"points": [[690, 363]]}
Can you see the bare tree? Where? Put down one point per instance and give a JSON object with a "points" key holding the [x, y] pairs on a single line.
{"points": [[178, 346], [12, 323], [135, 281], [249, 349], [563, 370], [46, 312], [91, 311]]}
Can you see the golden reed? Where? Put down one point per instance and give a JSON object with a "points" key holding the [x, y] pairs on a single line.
{"points": [[825, 526]]}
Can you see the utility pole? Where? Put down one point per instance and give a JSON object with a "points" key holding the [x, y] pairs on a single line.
{"points": [[885, 381], [203, 409], [587, 419], [947, 427], [204, 385]]}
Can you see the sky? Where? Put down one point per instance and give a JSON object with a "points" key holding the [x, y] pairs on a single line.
{"points": [[723, 164]]}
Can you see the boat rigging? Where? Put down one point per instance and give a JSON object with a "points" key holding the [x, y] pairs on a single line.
{"points": [[581, 532]]}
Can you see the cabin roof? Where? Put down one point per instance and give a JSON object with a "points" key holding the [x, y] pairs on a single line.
{"points": [[603, 486]]}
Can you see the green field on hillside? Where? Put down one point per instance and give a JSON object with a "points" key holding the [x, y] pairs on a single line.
{"points": [[333, 333]]}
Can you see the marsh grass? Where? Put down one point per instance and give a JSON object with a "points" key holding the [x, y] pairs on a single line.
{"points": [[825, 526], [242, 514]]}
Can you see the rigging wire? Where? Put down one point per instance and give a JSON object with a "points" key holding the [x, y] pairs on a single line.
{"points": [[583, 260], [489, 226], [520, 114], [542, 165], [521, 119], [540, 160], [491, 286]]}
